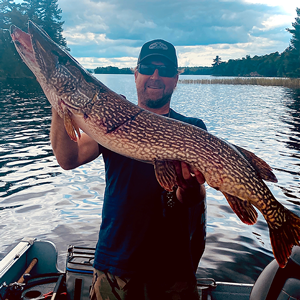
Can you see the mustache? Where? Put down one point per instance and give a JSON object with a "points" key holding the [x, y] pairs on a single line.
{"points": [[154, 83]]}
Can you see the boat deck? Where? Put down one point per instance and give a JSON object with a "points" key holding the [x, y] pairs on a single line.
{"points": [[39, 258]]}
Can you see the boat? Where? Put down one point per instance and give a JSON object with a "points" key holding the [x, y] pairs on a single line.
{"points": [[29, 272]]}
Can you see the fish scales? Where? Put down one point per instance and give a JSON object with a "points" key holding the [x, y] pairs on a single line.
{"points": [[112, 121], [174, 153]]}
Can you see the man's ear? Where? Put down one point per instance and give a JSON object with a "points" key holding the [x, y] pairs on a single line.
{"points": [[177, 77], [135, 75]]}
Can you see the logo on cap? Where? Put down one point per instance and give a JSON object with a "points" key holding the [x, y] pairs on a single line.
{"points": [[158, 45]]}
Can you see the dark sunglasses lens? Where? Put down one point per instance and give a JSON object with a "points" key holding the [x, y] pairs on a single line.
{"points": [[146, 69], [163, 71]]}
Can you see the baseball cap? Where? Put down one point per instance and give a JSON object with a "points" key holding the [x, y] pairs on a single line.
{"points": [[158, 48]]}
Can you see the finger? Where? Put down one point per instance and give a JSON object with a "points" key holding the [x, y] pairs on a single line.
{"points": [[180, 180], [189, 179], [199, 176], [186, 173], [177, 166]]}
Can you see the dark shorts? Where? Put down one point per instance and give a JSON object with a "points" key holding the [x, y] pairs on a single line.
{"points": [[109, 287]]}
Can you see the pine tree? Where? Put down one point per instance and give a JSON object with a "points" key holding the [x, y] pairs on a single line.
{"points": [[294, 55], [11, 64], [32, 9], [216, 65], [51, 16], [45, 13], [216, 61]]}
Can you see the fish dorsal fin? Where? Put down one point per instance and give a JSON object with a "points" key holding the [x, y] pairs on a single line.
{"points": [[243, 209], [71, 126], [165, 174], [261, 167]]}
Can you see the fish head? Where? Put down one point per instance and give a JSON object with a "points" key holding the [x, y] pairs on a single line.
{"points": [[64, 81]]}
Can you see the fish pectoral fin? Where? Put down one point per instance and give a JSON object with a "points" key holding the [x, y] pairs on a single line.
{"points": [[243, 209], [71, 127], [261, 167], [165, 174]]}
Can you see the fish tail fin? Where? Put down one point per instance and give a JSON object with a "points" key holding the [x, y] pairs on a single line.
{"points": [[285, 237]]}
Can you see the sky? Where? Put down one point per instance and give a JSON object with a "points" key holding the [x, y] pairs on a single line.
{"points": [[111, 32]]}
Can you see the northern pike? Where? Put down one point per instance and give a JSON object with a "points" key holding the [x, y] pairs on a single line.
{"points": [[87, 104]]}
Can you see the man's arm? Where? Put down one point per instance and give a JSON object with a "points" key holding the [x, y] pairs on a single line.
{"points": [[71, 154]]}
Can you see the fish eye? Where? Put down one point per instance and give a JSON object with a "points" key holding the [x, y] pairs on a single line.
{"points": [[63, 60]]}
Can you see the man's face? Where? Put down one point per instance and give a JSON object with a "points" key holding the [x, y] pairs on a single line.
{"points": [[154, 91]]}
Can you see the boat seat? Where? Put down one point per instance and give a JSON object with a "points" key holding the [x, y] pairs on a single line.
{"points": [[275, 283]]}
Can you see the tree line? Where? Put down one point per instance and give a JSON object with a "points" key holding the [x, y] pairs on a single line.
{"points": [[112, 70], [45, 13], [286, 64]]}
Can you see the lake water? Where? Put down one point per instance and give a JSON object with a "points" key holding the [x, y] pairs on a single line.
{"points": [[39, 199]]}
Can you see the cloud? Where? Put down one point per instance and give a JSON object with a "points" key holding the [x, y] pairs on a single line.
{"points": [[184, 22], [116, 29], [289, 6], [120, 62], [204, 55], [201, 55]]}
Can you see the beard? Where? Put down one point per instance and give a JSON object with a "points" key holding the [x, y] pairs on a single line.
{"points": [[154, 99], [158, 103]]}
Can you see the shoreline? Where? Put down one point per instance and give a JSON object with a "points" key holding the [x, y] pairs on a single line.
{"points": [[293, 83]]}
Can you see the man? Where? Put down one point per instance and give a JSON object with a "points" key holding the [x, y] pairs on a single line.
{"points": [[150, 241]]}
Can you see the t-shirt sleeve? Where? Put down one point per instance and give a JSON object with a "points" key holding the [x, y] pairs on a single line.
{"points": [[200, 123], [190, 120]]}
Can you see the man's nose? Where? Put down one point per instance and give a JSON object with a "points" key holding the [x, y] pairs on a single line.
{"points": [[155, 74]]}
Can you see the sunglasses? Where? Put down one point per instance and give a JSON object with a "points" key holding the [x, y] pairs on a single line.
{"points": [[163, 71]]}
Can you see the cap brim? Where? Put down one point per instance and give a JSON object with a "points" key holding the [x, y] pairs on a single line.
{"points": [[158, 55]]}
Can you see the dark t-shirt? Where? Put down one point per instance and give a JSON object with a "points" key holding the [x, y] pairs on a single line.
{"points": [[136, 235]]}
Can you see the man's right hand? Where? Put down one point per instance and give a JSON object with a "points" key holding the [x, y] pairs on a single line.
{"points": [[191, 189], [71, 154]]}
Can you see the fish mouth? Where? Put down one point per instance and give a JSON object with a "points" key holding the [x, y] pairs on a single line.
{"points": [[23, 44], [41, 54], [32, 48], [21, 38], [59, 74]]}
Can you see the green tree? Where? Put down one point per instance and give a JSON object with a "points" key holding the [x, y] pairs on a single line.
{"points": [[51, 18], [196, 70], [294, 55], [217, 65], [112, 70], [45, 13], [32, 9], [216, 61], [11, 13], [11, 64]]}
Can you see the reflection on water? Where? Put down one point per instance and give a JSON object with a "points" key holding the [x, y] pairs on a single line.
{"points": [[24, 132], [292, 119], [39, 199]]}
